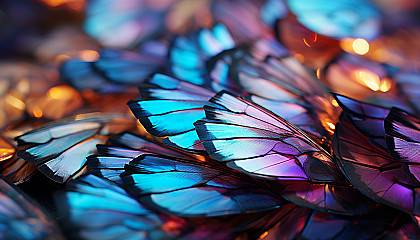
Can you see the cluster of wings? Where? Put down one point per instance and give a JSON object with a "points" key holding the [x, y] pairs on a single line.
{"points": [[242, 142]]}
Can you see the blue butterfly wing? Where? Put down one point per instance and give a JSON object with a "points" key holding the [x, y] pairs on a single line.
{"points": [[195, 189], [82, 75], [374, 172], [121, 149], [188, 55], [114, 70], [125, 23], [98, 209], [126, 67], [20, 218], [344, 19], [273, 10], [169, 108], [59, 149]]}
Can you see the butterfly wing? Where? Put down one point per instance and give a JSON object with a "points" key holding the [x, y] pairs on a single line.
{"points": [[368, 119], [333, 19], [189, 54], [20, 218], [403, 137], [59, 149], [374, 172], [195, 189], [95, 208], [169, 108], [125, 23], [121, 149], [255, 141]]}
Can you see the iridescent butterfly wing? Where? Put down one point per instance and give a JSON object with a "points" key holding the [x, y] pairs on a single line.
{"points": [[318, 225], [20, 218], [169, 107], [283, 83], [59, 149], [188, 188], [407, 83], [403, 138], [343, 19], [368, 119], [121, 149], [113, 71], [125, 23], [95, 208], [188, 55], [253, 140], [374, 172]]}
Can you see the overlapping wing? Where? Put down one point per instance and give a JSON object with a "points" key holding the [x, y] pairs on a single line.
{"points": [[169, 107], [188, 188], [59, 149]]}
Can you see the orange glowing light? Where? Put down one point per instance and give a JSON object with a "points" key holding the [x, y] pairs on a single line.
{"points": [[331, 125], [385, 85], [334, 103], [318, 73], [89, 55], [74, 4], [360, 46], [61, 92], [367, 78], [263, 235], [37, 112], [306, 43]]}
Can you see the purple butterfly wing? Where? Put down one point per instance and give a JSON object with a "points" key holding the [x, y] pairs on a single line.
{"points": [[374, 172]]}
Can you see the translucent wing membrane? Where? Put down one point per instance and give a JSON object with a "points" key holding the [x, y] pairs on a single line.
{"points": [[374, 172], [21, 219], [113, 71], [344, 19], [258, 142], [111, 159], [366, 118], [255, 141], [59, 149], [403, 138], [280, 83], [126, 67], [169, 108], [98, 209], [326, 197], [189, 54], [318, 225], [124, 23], [195, 189]]}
